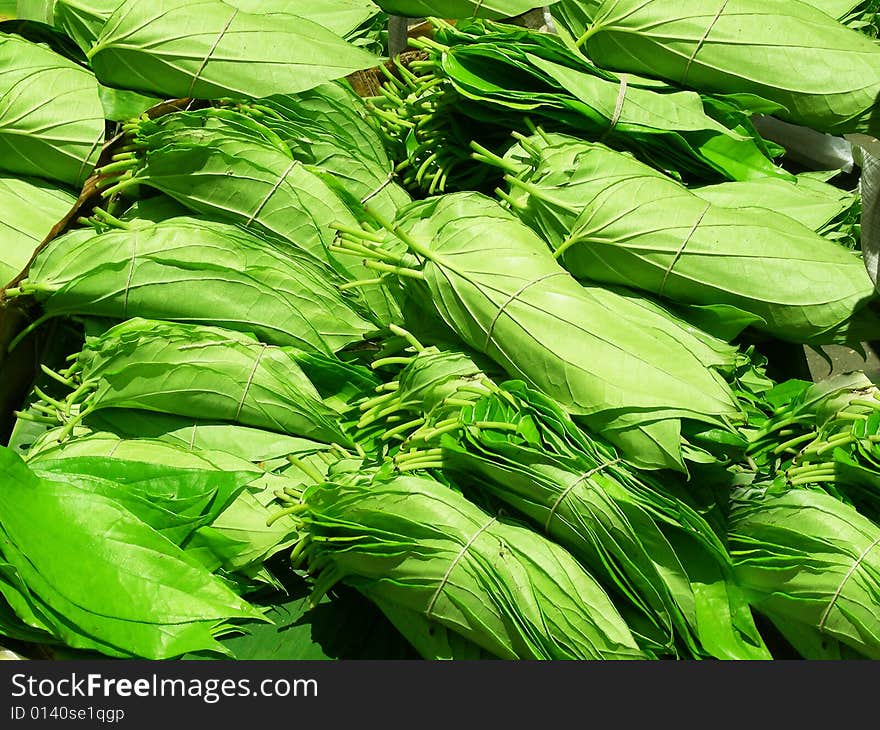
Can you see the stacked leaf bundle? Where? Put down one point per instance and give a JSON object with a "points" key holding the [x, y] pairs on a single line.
{"points": [[297, 349], [615, 220], [489, 79]]}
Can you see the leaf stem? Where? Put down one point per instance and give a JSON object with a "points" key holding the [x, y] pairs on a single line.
{"points": [[414, 245], [382, 362], [420, 465], [361, 282], [27, 330], [873, 404], [813, 480], [307, 469], [397, 430], [106, 217], [25, 416], [483, 154], [496, 426], [407, 335], [447, 426], [795, 442], [288, 511], [398, 270]]}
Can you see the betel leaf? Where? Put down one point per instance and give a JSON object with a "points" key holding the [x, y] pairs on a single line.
{"points": [[573, 17], [209, 50], [615, 220], [495, 283], [527, 71], [212, 504], [343, 625], [225, 165], [823, 74], [230, 175], [198, 271], [51, 119], [173, 501], [82, 20], [128, 591], [120, 105], [339, 16], [38, 10], [20, 617], [621, 524], [30, 209], [460, 248], [44, 35], [93, 447], [813, 562], [415, 543], [207, 372], [243, 536], [495, 9], [822, 207], [326, 127], [253, 444]]}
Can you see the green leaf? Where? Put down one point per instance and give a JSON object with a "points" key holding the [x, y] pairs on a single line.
{"points": [[817, 205], [175, 502], [226, 166], [826, 76], [206, 372], [82, 20], [198, 271], [30, 209], [214, 505], [38, 10], [327, 127], [812, 561], [339, 16], [51, 119], [129, 592], [504, 72], [210, 50], [342, 626], [494, 282], [615, 220], [120, 105], [44, 35], [253, 444], [240, 539], [419, 545]]}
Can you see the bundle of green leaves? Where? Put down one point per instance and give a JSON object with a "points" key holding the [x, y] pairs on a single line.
{"points": [[497, 286], [663, 564], [327, 128], [614, 220], [51, 118], [810, 563], [194, 270], [227, 166], [818, 72], [205, 50], [132, 591], [198, 371], [416, 544], [480, 80]]}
